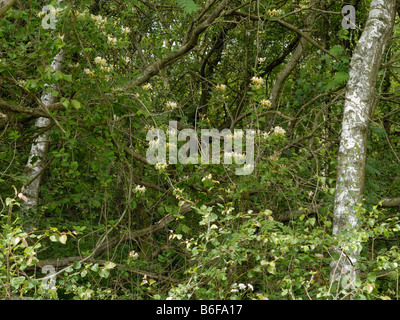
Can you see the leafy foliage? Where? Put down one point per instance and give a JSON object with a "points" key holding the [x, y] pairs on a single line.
{"points": [[121, 228]]}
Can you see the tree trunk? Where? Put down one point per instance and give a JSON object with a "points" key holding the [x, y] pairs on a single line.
{"points": [[360, 92], [38, 153], [5, 5], [292, 63]]}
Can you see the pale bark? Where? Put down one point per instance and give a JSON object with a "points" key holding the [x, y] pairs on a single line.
{"points": [[40, 145], [364, 68], [5, 5]]}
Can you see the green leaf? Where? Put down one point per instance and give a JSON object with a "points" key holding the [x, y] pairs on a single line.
{"points": [[76, 104], [65, 102], [109, 265], [188, 6], [9, 201], [95, 268], [74, 165], [68, 77], [63, 238], [104, 273]]}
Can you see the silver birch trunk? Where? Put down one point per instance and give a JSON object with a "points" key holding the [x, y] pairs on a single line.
{"points": [[364, 68], [5, 5], [38, 151]]}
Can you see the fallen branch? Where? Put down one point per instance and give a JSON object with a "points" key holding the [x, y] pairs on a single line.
{"points": [[390, 203]]}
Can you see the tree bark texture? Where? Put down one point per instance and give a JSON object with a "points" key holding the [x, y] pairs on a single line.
{"points": [[364, 68], [36, 162]]}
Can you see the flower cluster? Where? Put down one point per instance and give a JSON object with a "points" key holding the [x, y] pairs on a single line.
{"points": [[125, 30], [241, 286], [101, 61], [257, 81], [273, 12], [220, 87], [235, 155], [99, 20], [133, 254], [279, 131], [178, 193], [208, 177], [265, 103], [171, 105], [126, 59], [147, 86], [140, 189], [111, 40], [161, 166], [89, 72]]}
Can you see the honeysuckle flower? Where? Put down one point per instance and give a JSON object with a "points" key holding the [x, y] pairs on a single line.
{"points": [[220, 87], [250, 286], [105, 69], [171, 105], [112, 40], [147, 86], [279, 131], [101, 61], [160, 166], [265, 103], [242, 286], [125, 30], [154, 143], [248, 166], [273, 12], [58, 10], [22, 197], [99, 19], [265, 135], [261, 60], [257, 81], [208, 177], [178, 191], [140, 189], [126, 59], [239, 156], [133, 254]]}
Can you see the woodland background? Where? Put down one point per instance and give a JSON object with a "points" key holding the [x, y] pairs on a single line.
{"points": [[85, 201]]}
